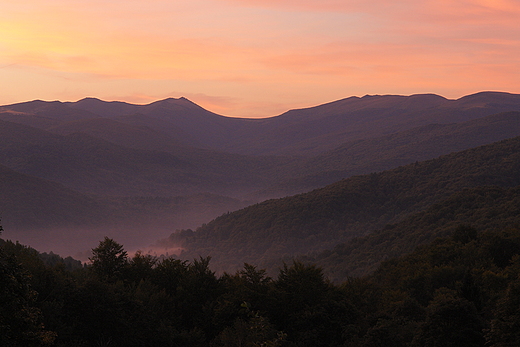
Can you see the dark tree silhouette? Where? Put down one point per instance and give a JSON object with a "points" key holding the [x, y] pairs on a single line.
{"points": [[109, 260]]}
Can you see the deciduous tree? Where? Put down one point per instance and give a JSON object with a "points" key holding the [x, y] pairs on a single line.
{"points": [[109, 260]]}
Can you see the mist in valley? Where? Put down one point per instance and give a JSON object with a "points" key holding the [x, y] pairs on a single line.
{"points": [[275, 231], [74, 173], [259, 173], [149, 233]]}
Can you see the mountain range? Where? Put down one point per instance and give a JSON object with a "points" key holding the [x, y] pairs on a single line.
{"points": [[77, 170], [297, 132]]}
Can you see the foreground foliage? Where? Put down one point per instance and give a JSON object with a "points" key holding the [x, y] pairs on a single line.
{"points": [[461, 290]]}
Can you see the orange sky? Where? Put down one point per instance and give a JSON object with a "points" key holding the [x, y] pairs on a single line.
{"points": [[255, 58]]}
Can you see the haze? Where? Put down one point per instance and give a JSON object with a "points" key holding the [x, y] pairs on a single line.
{"points": [[74, 172], [255, 58]]}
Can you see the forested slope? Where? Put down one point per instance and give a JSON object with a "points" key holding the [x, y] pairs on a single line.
{"points": [[352, 207], [482, 208], [461, 290]]}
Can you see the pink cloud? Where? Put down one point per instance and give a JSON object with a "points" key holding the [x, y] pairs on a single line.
{"points": [[306, 5], [459, 7]]}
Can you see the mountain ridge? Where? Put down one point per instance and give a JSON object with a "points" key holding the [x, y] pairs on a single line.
{"points": [[306, 131]]}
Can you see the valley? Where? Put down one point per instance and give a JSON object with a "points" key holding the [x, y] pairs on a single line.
{"points": [[374, 221], [77, 171]]}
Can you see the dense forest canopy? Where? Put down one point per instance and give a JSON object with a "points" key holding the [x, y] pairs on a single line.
{"points": [[486, 208], [460, 290]]}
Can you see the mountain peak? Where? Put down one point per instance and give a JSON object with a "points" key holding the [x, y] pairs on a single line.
{"points": [[490, 97], [173, 100], [90, 98]]}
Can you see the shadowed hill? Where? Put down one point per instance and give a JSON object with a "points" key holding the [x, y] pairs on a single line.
{"points": [[390, 151], [50, 109], [121, 133], [30, 202], [95, 166], [353, 206], [192, 123]]}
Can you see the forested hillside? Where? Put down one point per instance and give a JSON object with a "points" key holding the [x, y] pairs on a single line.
{"points": [[352, 207], [484, 208]]}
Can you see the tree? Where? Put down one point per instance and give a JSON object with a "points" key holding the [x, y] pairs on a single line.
{"points": [[169, 273], [20, 320], [464, 234], [307, 307], [451, 321], [255, 331], [109, 260], [197, 292], [505, 327], [141, 267]]}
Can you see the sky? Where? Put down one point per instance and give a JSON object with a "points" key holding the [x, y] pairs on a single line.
{"points": [[255, 58]]}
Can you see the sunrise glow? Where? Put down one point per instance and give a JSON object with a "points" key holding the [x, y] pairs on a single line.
{"points": [[255, 58]]}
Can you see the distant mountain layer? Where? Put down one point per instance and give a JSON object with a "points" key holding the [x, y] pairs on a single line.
{"points": [[354, 206], [53, 217], [115, 148], [390, 151], [321, 128], [146, 169], [96, 166], [297, 132]]}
